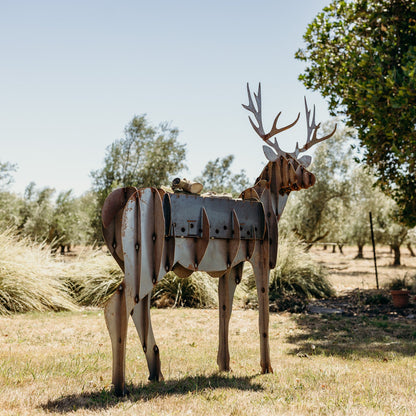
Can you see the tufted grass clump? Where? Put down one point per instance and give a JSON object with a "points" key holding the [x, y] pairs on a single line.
{"points": [[92, 278], [196, 291], [296, 275], [30, 278]]}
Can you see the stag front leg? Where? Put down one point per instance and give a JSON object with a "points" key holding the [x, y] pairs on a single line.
{"points": [[141, 318], [226, 288], [116, 319], [261, 272]]}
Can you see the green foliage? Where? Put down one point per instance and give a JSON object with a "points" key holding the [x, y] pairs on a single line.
{"points": [[61, 222], [6, 169], [317, 213], [361, 56], [365, 198], [71, 218], [10, 209], [37, 213], [217, 177], [145, 156]]}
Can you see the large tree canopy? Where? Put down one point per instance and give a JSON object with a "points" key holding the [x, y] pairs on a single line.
{"points": [[361, 56]]}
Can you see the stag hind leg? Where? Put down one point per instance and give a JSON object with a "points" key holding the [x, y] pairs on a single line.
{"points": [[116, 319], [226, 288], [141, 319], [261, 271]]}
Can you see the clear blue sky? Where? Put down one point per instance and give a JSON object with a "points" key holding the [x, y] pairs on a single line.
{"points": [[74, 73]]}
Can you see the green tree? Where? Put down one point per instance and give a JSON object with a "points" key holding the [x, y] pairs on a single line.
{"points": [[10, 204], [217, 177], [317, 214], [361, 56], [145, 156], [36, 213], [6, 177], [365, 198], [70, 223], [390, 230]]}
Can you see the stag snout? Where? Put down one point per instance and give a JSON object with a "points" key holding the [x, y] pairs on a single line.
{"points": [[304, 178]]}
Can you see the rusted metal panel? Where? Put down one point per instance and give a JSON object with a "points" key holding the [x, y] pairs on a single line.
{"points": [[131, 251], [201, 244], [158, 236], [185, 216]]}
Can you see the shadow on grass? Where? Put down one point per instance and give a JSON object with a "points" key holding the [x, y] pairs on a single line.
{"points": [[105, 398], [381, 337]]}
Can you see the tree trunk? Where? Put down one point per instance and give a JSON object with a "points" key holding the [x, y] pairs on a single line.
{"points": [[396, 251], [412, 253], [325, 246], [360, 252], [333, 248], [340, 248]]}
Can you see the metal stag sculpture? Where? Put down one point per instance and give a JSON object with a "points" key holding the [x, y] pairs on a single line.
{"points": [[150, 232]]}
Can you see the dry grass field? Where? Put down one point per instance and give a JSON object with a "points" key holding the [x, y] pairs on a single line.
{"points": [[60, 363]]}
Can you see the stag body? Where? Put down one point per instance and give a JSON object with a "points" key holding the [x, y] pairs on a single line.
{"points": [[142, 230]]}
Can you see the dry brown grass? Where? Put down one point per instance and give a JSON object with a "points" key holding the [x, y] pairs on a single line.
{"points": [[347, 273], [55, 363]]}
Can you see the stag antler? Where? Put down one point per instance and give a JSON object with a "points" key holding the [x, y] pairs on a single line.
{"points": [[260, 130], [312, 128]]}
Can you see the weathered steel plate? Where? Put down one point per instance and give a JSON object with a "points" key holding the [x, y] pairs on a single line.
{"points": [[185, 216]]}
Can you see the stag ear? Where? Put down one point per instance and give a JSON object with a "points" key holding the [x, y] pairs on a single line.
{"points": [[305, 160], [270, 154]]}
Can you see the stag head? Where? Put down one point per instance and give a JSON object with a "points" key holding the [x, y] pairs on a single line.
{"points": [[273, 152]]}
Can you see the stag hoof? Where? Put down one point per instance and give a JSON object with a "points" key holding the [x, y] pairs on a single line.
{"points": [[155, 379], [121, 392], [267, 370]]}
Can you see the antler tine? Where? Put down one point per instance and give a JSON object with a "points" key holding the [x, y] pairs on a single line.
{"points": [[309, 126], [257, 113], [313, 127]]}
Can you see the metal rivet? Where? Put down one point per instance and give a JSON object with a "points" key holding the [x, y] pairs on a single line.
{"points": [[114, 245], [144, 348], [136, 298], [154, 237], [155, 349], [137, 246], [224, 307], [183, 229], [217, 231], [263, 290], [120, 288]]}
